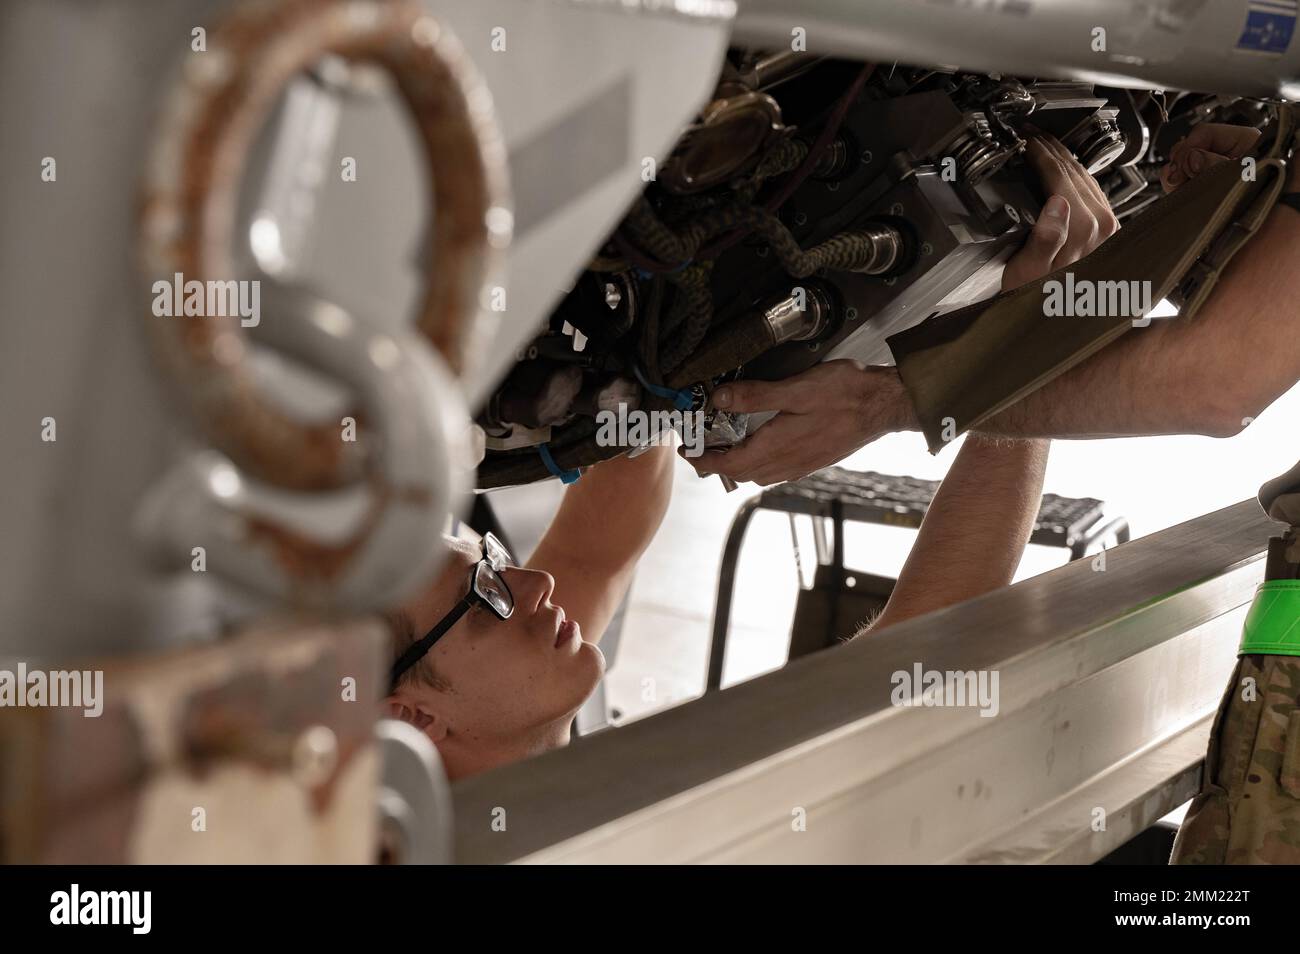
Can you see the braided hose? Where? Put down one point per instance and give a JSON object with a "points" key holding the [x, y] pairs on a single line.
{"points": [[654, 237], [693, 308], [875, 248], [786, 156]]}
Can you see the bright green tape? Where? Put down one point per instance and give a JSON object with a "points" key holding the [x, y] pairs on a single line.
{"points": [[1273, 623]]}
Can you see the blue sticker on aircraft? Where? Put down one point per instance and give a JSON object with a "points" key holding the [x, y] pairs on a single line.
{"points": [[1269, 26]]}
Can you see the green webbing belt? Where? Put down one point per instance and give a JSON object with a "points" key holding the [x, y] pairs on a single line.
{"points": [[1273, 623], [972, 363]]}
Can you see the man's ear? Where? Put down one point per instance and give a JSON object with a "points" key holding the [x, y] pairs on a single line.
{"points": [[427, 720]]}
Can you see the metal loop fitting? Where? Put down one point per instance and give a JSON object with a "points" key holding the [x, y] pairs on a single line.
{"points": [[189, 205]]}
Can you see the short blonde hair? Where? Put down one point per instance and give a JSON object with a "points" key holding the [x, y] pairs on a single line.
{"points": [[402, 630]]}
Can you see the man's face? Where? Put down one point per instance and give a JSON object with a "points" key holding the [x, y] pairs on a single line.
{"points": [[511, 686]]}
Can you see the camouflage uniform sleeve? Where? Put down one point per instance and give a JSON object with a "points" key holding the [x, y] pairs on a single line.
{"points": [[1248, 809]]}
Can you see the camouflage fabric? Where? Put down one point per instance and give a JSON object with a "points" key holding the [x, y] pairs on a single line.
{"points": [[1248, 810]]}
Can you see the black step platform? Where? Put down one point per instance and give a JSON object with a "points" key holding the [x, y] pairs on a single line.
{"points": [[838, 494], [869, 497]]}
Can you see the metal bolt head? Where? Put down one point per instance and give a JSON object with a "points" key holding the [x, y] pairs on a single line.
{"points": [[613, 295], [315, 756], [927, 248], [867, 157], [1012, 212], [851, 313], [800, 218], [896, 209]]}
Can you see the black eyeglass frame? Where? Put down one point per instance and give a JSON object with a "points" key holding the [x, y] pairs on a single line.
{"points": [[495, 559]]}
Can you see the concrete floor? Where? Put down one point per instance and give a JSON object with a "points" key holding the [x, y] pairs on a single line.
{"points": [[662, 656]]}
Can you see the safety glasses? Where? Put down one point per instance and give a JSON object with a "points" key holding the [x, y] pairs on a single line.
{"points": [[486, 587]]}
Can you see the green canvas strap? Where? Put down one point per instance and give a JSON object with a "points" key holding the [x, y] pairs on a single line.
{"points": [[1181, 243], [1273, 622]]}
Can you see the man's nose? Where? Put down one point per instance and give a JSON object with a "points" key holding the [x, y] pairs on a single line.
{"points": [[530, 588]]}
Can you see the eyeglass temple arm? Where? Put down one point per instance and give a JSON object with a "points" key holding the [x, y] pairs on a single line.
{"points": [[417, 649]]}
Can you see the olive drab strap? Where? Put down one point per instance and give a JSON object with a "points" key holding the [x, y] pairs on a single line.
{"points": [[1176, 250], [1253, 209]]}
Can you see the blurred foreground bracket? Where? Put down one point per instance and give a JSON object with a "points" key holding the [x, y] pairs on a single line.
{"points": [[258, 749]]}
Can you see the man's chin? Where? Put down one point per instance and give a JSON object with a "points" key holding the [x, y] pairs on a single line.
{"points": [[598, 660]]}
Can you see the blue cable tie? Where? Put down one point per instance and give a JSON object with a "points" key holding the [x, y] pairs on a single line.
{"points": [[566, 476], [646, 274], [683, 400]]}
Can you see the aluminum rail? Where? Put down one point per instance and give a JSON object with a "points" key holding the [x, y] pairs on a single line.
{"points": [[1107, 683]]}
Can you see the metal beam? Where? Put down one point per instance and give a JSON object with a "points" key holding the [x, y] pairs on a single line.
{"points": [[1158, 44], [1106, 678]]}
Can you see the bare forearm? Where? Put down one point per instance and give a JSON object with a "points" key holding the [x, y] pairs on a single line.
{"points": [[975, 531], [1203, 376], [604, 524]]}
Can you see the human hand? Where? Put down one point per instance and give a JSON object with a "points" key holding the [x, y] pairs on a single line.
{"points": [[1206, 146], [1075, 219], [825, 414]]}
